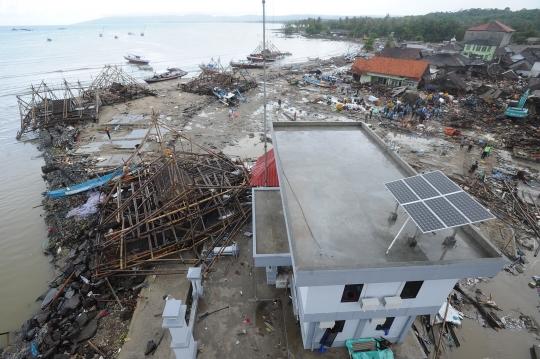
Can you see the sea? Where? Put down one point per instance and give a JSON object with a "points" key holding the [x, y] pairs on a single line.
{"points": [[78, 53]]}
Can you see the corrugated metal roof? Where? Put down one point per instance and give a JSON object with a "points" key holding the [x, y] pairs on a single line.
{"points": [[257, 172]]}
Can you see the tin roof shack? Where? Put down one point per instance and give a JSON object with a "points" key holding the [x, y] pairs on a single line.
{"points": [[400, 53], [449, 62], [494, 31], [390, 72], [450, 83], [333, 209]]}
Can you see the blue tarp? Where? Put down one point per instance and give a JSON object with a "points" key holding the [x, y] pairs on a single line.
{"points": [[376, 354]]}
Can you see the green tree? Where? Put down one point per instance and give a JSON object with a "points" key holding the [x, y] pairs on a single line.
{"points": [[389, 41]]}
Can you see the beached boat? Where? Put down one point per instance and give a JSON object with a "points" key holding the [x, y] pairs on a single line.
{"points": [[171, 74], [248, 64], [259, 58], [314, 81], [313, 59], [208, 68], [228, 98], [86, 186], [136, 59], [293, 80]]}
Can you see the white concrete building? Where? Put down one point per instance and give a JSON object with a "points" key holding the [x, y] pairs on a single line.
{"points": [[329, 220]]}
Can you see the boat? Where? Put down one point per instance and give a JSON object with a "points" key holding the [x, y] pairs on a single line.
{"points": [[116, 37], [142, 32], [293, 80], [248, 64], [136, 59], [208, 68], [228, 98], [313, 59], [85, 186], [49, 39], [172, 73], [260, 58], [101, 32], [314, 81], [131, 33]]}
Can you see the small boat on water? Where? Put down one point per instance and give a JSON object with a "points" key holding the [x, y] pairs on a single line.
{"points": [[321, 83], [136, 59], [142, 32], [172, 73], [313, 59], [116, 37], [101, 32], [228, 98], [248, 64], [49, 39], [130, 33], [260, 58]]}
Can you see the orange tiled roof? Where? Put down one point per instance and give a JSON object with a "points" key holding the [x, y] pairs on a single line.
{"points": [[492, 26], [413, 69]]}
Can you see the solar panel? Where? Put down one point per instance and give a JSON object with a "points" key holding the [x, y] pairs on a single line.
{"points": [[434, 202], [469, 207], [401, 192], [446, 212], [421, 187], [423, 217], [441, 183]]}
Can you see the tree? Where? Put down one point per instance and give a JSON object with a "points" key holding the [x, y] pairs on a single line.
{"points": [[389, 41], [288, 29]]}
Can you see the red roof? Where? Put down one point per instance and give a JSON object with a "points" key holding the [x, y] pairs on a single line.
{"points": [[412, 69], [257, 172], [492, 26]]}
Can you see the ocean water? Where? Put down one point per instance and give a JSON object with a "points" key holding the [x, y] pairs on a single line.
{"points": [[78, 54]]}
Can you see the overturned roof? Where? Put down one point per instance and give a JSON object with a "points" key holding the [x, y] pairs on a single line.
{"points": [[451, 79], [413, 69], [492, 26], [401, 53], [446, 59], [481, 42]]}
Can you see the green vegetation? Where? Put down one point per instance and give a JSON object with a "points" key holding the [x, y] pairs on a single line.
{"points": [[368, 44], [431, 27], [288, 29], [389, 41]]}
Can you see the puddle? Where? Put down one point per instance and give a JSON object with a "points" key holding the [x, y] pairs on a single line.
{"points": [[247, 147]]}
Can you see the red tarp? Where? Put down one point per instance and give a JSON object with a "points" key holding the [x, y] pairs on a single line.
{"points": [[257, 172]]}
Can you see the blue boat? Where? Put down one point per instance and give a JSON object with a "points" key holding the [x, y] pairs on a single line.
{"points": [[228, 98], [86, 186], [314, 81]]}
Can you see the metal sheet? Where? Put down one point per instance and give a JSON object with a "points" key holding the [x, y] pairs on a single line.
{"points": [[446, 212], [401, 192], [423, 217], [473, 210], [441, 183], [421, 187]]}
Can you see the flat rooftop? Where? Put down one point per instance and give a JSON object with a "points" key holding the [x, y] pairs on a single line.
{"points": [[270, 230], [336, 206]]}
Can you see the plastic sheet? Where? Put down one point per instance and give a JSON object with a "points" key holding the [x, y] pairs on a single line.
{"points": [[90, 207]]}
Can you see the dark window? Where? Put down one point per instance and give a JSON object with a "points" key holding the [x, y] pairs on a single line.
{"points": [[331, 333], [411, 289], [387, 324], [351, 293]]}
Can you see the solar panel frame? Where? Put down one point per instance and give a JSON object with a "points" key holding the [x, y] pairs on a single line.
{"points": [[423, 217], [401, 192]]}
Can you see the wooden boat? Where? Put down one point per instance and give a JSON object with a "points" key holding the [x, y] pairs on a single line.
{"points": [[171, 74], [248, 65], [208, 68], [136, 59], [293, 80], [313, 59], [86, 186], [101, 32], [130, 33], [314, 81], [259, 58], [142, 32], [116, 37], [48, 39], [228, 98]]}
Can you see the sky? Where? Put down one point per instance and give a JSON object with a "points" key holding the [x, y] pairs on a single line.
{"points": [[66, 12]]}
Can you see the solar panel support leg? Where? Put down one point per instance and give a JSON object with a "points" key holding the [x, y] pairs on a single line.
{"points": [[393, 215], [451, 240], [394, 241], [411, 241]]}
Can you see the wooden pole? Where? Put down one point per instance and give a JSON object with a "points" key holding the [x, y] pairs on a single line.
{"points": [[436, 355], [115, 296], [61, 289]]}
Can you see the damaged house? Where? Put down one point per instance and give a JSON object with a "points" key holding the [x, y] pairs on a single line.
{"points": [[390, 72]]}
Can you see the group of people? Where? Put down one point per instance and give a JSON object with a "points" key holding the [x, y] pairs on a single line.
{"points": [[486, 151]]}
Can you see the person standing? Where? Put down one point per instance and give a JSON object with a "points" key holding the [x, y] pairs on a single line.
{"points": [[230, 113], [471, 144], [294, 116], [462, 143], [474, 166], [108, 133], [485, 152], [279, 103]]}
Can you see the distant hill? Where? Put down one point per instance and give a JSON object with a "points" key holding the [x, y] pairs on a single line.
{"points": [[199, 18]]}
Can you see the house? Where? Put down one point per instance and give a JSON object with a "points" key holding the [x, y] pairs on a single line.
{"points": [[329, 221], [451, 83], [449, 62], [480, 49], [401, 53], [390, 72], [494, 31]]}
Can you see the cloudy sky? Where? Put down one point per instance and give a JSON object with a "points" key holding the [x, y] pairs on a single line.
{"points": [[64, 12]]}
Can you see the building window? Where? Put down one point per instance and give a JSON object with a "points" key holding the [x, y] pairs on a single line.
{"points": [[467, 47], [484, 48], [387, 324], [411, 289], [351, 293]]}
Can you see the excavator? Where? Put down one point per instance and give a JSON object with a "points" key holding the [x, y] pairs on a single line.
{"points": [[519, 111]]}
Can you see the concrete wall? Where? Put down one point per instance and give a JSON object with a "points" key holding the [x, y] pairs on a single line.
{"points": [[500, 38]]}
